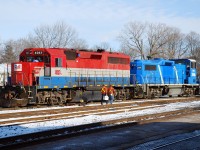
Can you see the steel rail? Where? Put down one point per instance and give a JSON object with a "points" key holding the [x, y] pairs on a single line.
{"points": [[175, 142], [67, 132]]}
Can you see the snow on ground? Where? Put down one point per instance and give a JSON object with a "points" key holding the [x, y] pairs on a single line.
{"points": [[8, 131], [88, 105], [71, 114]]}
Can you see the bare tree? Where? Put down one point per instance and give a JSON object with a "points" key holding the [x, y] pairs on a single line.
{"points": [[57, 35], [157, 36], [175, 46], [193, 44], [131, 53], [19, 45], [193, 47], [102, 45], [79, 44], [152, 40], [132, 37], [1, 45]]}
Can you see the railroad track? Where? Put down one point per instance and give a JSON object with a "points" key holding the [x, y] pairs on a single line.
{"points": [[68, 132], [170, 144], [177, 140], [120, 119], [139, 101], [36, 115]]}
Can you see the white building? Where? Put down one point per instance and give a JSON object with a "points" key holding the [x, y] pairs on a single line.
{"points": [[5, 71]]}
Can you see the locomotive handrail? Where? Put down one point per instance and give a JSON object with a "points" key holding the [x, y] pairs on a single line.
{"points": [[95, 77], [161, 76], [176, 72]]}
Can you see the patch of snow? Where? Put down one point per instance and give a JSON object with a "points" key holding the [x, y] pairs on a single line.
{"points": [[8, 131]]}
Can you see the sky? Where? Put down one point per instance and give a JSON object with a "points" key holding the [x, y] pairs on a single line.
{"points": [[95, 21]]}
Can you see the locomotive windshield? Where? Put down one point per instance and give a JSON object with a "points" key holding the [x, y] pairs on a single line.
{"points": [[34, 56], [193, 65], [35, 59], [188, 62]]}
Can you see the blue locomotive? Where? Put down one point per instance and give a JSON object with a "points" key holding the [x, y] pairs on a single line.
{"points": [[160, 77]]}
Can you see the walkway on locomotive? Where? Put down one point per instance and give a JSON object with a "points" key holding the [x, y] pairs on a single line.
{"points": [[67, 68]]}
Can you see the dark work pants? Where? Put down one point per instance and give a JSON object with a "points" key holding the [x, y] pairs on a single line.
{"points": [[111, 98]]}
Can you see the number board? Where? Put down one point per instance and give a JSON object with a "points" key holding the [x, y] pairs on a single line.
{"points": [[38, 52]]}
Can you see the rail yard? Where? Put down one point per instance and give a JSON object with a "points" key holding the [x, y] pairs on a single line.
{"points": [[107, 75], [28, 127], [54, 94]]}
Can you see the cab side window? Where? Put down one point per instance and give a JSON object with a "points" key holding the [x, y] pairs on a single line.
{"points": [[58, 62], [46, 59]]}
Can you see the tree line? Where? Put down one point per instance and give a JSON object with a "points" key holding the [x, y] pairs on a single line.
{"points": [[137, 39]]}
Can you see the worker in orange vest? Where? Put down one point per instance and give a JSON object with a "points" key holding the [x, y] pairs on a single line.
{"points": [[104, 91], [111, 93]]}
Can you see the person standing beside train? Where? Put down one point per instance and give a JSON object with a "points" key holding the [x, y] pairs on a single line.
{"points": [[104, 91], [111, 93]]}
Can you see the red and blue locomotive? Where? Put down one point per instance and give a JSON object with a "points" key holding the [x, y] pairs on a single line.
{"points": [[58, 75], [61, 75]]}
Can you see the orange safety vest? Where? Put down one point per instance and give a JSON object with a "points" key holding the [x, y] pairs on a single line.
{"points": [[111, 90], [104, 90]]}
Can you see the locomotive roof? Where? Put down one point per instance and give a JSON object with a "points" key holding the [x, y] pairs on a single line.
{"points": [[154, 61], [185, 59], [59, 51]]}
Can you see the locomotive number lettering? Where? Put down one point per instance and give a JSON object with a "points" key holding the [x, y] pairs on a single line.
{"points": [[38, 52]]}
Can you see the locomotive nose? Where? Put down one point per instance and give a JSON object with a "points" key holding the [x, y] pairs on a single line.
{"points": [[16, 73], [23, 73]]}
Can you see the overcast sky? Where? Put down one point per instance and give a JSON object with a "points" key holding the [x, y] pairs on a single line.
{"points": [[95, 21]]}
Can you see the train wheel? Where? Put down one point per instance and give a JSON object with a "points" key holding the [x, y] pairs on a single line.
{"points": [[140, 93], [72, 94], [50, 102], [60, 102], [165, 90], [124, 97], [7, 103]]}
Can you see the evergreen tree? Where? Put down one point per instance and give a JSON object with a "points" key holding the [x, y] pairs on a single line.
{"points": [[8, 56]]}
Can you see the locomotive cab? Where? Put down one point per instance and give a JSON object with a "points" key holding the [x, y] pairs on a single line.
{"points": [[190, 70], [26, 71]]}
